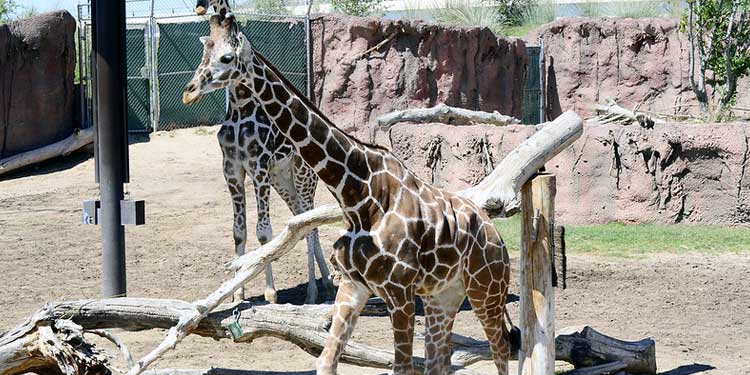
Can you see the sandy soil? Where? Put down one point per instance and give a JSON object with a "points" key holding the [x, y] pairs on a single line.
{"points": [[696, 307]]}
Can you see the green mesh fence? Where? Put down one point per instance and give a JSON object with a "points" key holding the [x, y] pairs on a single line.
{"points": [[282, 41], [139, 102], [532, 94]]}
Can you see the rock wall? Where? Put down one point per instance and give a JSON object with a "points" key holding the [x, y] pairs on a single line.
{"points": [[694, 173], [37, 57], [422, 65], [631, 60]]}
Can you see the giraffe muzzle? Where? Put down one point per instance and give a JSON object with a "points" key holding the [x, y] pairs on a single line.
{"points": [[191, 94]]}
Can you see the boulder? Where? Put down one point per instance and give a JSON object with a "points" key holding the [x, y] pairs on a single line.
{"points": [[420, 66], [692, 173], [633, 61], [37, 56]]}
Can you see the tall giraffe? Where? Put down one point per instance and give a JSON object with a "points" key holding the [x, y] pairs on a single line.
{"points": [[251, 146], [404, 237]]}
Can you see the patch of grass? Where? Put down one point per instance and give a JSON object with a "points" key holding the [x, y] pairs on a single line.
{"points": [[467, 13], [623, 240]]}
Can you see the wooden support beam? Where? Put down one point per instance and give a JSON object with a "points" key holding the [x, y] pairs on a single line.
{"points": [[537, 321]]}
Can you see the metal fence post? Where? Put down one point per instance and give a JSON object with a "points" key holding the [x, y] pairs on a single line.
{"points": [[153, 72]]}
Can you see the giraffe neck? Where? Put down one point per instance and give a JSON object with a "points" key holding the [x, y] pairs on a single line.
{"points": [[342, 163]]}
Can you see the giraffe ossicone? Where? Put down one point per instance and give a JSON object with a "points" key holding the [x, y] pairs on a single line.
{"points": [[252, 147], [403, 237]]}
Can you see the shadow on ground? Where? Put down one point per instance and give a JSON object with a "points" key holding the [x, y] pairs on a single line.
{"points": [[688, 369]]}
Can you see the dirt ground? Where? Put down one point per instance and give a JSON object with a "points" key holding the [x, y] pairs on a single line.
{"points": [[696, 307]]}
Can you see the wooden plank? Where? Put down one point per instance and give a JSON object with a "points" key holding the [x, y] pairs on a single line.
{"points": [[537, 354]]}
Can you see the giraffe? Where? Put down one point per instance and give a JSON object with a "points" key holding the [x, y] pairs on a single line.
{"points": [[403, 237], [252, 147]]}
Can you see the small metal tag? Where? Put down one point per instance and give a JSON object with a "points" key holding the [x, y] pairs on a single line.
{"points": [[234, 327], [235, 330]]}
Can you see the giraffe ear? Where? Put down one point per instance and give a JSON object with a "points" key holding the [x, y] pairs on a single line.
{"points": [[244, 50], [204, 39]]}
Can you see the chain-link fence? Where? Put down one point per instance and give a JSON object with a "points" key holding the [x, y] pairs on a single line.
{"points": [[163, 51]]}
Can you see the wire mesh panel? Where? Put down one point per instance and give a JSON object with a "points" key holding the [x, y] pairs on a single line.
{"points": [[178, 55], [163, 50], [139, 101], [532, 94], [281, 40]]}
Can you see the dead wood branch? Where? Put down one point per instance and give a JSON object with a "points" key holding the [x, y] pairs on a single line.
{"points": [[497, 193], [50, 346], [612, 112], [117, 342], [305, 326], [62, 148], [445, 114]]}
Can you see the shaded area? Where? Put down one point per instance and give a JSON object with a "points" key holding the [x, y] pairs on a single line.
{"points": [[689, 369]]}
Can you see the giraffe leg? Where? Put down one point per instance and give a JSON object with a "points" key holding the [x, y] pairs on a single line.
{"points": [[486, 279], [305, 182], [234, 175], [440, 313], [289, 190], [350, 300], [400, 303], [263, 229]]}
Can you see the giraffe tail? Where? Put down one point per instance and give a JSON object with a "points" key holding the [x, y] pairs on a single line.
{"points": [[514, 334]]}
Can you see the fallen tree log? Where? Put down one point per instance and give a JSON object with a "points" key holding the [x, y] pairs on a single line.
{"points": [[447, 115], [74, 142], [305, 326], [612, 112]]}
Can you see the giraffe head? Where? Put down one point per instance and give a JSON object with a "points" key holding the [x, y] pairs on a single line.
{"points": [[220, 6], [220, 65]]}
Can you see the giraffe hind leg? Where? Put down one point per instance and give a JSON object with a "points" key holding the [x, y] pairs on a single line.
{"points": [[486, 288], [440, 313], [284, 181]]}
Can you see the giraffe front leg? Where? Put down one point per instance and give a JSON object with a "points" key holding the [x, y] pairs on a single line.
{"points": [[234, 175], [350, 300], [263, 229]]}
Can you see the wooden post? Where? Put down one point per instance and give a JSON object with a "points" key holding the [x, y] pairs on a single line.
{"points": [[537, 321]]}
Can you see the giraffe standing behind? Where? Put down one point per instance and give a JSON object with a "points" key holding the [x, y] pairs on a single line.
{"points": [[404, 237], [251, 147]]}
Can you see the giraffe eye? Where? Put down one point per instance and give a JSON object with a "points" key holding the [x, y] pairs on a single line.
{"points": [[227, 58]]}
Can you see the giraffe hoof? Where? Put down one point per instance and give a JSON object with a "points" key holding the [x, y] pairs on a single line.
{"points": [[270, 295]]}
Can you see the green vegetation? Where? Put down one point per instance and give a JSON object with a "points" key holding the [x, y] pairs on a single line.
{"points": [[621, 240], [358, 8], [6, 9], [719, 48], [627, 9], [465, 13]]}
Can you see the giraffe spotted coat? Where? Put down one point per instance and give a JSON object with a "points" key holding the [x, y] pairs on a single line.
{"points": [[403, 237]]}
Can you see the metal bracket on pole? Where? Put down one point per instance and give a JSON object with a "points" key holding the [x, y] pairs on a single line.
{"points": [[132, 212]]}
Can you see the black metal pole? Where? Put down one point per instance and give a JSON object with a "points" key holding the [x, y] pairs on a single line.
{"points": [[109, 49]]}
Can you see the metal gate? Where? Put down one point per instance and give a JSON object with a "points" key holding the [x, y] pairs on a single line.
{"points": [[533, 94]]}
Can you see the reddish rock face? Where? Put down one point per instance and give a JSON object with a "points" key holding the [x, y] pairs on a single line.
{"points": [[36, 84], [631, 60], [695, 173], [422, 65]]}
